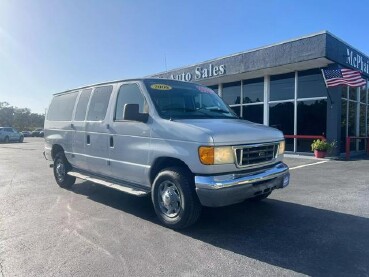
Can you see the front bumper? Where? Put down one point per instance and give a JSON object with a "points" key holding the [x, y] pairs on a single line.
{"points": [[223, 190]]}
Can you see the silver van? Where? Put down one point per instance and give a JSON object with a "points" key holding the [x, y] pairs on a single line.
{"points": [[175, 140]]}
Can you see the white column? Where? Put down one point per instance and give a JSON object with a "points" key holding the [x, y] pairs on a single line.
{"points": [[295, 113], [266, 99]]}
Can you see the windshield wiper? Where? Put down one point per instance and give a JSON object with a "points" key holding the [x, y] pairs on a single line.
{"points": [[218, 110]]}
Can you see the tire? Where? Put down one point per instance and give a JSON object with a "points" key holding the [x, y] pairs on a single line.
{"points": [[175, 201], [260, 197], [61, 168], [21, 139], [6, 140]]}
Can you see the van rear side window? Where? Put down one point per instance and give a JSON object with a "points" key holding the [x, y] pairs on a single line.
{"points": [[82, 105], [61, 107], [99, 103]]}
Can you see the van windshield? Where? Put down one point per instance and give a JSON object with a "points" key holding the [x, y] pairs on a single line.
{"points": [[180, 100]]}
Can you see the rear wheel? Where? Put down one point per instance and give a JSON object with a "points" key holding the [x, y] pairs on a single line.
{"points": [[61, 168], [6, 139], [174, 198]]}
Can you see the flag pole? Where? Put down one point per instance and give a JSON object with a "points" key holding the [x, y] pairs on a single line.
{"points": [[326, 88]]}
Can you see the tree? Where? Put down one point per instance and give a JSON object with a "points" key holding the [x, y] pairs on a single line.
{"points": [[19, 118]]}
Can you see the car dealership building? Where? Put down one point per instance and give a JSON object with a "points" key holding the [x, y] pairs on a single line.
{"points": [[282, 86]]}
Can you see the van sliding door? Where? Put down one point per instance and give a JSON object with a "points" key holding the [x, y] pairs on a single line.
{"points": [[96, 137]]}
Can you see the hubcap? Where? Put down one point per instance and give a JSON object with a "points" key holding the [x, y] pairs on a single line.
{"points": [[60, 170], [169, 199]]}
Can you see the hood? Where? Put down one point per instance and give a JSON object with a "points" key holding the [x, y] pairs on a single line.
{"points": [[235, 131]]}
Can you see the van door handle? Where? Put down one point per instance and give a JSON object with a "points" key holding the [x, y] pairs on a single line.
{"points": [[88, 141], [111, 141]]}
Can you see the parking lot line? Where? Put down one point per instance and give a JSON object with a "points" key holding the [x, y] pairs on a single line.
{"points": [[304, 165]]}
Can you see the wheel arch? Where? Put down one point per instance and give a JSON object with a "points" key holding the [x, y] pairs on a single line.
{"points": [[56, 149], [165, 162]]}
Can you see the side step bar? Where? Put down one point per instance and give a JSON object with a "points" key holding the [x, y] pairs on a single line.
{"points": [[111, 184]]}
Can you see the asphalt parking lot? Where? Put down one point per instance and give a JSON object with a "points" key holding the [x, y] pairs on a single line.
{"points": [[317, 226]]}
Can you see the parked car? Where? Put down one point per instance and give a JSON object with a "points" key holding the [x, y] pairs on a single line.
{"points": [[177, 141], [38, 132], [8, 134], [26, 133]]}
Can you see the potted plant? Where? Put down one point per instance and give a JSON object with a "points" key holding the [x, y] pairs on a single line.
{"points": [[321, 147]]}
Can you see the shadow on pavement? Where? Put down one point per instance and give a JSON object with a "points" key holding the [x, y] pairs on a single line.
{"points": [[299, 238]]}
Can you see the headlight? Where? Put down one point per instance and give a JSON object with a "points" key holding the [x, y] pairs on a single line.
{"points": [[281, 148], [216, 155]]}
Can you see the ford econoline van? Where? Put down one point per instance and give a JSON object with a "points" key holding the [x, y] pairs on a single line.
{"points": [[175, 140]]}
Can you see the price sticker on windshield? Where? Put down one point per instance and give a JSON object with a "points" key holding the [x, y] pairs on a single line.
{"points": [[161, 87]]}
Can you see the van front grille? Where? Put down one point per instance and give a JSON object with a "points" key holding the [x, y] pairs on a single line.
{"points": [[249, 155]]}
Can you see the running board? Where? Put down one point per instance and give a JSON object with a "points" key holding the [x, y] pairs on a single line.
{"points": [[110, 184]]}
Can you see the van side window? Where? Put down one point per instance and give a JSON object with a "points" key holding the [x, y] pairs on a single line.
{"points": [[61, 107], [82, 105], [129, 94], [99, 103]]}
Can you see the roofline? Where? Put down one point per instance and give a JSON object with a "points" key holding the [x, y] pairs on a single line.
{"points": [[344, 42], [244, 52]]}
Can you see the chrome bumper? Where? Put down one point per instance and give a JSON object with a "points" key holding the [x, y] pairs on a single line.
{"points": [[216, 191]]}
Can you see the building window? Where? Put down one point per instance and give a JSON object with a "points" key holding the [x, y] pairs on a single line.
{"points": [[253, 113], [253, 90], [231, 93], [353, 94], [282, 87], [311, 84], [311, 120], [281, 116]]}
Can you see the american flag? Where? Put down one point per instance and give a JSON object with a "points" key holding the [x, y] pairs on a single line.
{"points": [[342, 76]]}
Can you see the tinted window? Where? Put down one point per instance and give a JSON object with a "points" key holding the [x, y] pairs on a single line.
{"points": [[99, 103], [253, 90], [82, 105], [311, 84], [61, 107], [282, 87], [129, 94], [311, 120], [363, 92], [254, 113], [231, 93]]}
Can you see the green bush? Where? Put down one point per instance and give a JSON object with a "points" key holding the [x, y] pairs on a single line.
{"points": [[322, 145]]}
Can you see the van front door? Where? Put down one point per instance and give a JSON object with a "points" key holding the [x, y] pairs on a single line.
{"points": [[96, 136], [129, 141]]}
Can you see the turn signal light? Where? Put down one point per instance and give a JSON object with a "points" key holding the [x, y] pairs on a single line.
{"points": [[206, 155]]}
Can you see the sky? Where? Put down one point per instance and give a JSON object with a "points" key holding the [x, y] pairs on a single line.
{"points": [[48, 46]]}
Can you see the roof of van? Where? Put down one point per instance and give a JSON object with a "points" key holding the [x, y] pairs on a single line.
{"points": [[113, 82]]}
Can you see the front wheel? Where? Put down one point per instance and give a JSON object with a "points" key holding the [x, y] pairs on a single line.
{"points": [[174, 198], [21, 139], [61, 168]]}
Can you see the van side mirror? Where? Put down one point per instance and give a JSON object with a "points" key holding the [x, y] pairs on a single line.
{"points": [[131, 112]]}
